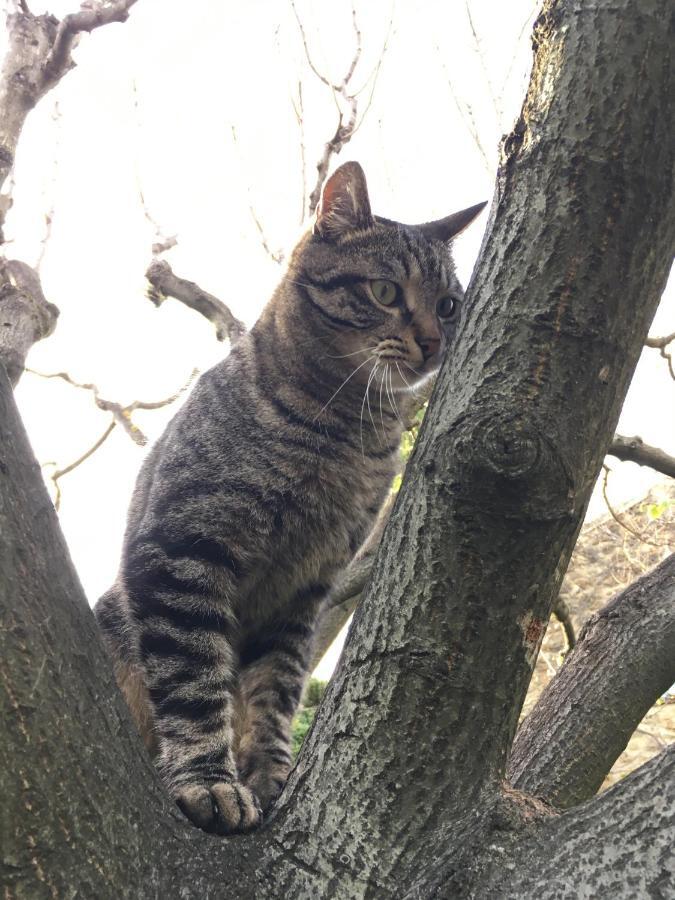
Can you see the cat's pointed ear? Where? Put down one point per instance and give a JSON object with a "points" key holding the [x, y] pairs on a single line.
{"points": [[447, 228], [344, 204]]}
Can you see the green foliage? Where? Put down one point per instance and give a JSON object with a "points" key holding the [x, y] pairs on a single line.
{"points": [[408, 442], [305, 715], [656, 510]]}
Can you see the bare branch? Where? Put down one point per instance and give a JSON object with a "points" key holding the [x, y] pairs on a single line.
{"points": [[166, 284], [49, 215], [347, 123], [466, 113], [357, 54], [162, 242], [634, 449], [300, 119], [374, 75], [562, 613], [278, 255], [121, 414], [59, 473], [623, 662], [479, 51], [660, 344], [92, 15], [307, 53]]}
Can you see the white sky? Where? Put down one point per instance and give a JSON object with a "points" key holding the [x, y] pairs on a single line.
{"points": [[199, 69]]}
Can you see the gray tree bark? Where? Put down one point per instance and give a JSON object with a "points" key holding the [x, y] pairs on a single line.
{"points": [[624, 661], [399, 789]]}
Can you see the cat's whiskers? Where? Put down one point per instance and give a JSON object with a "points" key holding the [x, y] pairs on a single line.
{"points": [[414, 371], [348, 378], [344, 356], [403, 378], [381, 383], [392, 399], [367, 398]]}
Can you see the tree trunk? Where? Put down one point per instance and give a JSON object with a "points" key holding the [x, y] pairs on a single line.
{"points": [[399, 788]]}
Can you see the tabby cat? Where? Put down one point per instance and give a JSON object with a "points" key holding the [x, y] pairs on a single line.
{"points": [[260, 491]]}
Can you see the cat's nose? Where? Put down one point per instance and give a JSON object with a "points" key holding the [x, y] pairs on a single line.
{"points": [[429, 346]]}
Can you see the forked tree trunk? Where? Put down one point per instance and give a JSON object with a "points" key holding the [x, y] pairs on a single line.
{"points": [[399, 789]]}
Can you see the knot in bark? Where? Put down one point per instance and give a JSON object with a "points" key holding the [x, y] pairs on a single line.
{"points": [[507, 449], [510, 467]]}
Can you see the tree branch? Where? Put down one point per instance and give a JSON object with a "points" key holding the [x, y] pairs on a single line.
{"points": [[623, 662], [92, 15], [166, 284], [121, 414], [38, 56], [634, 449], [67, 732], [59, 473], [617, 845], [660, 344], [346, 121], [25, 315]]}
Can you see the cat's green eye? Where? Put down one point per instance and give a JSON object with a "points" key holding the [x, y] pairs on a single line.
{"points": [[385, 292]]}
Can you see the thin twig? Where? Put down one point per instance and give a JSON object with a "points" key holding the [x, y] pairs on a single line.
{"points": [[374, 74], [162, 241], [59, 473], [483, 66], [526, 26], [347, 118], [121, 414], [308, 55], [615, 515], [466, 113], [276, 255], [300, 119], [49, 216]]}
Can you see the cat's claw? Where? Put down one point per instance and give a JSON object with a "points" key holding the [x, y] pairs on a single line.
{"points": [[226, 807]]}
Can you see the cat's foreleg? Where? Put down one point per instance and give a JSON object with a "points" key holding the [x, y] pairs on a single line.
{"points": [[273, 673], [185, 646]]}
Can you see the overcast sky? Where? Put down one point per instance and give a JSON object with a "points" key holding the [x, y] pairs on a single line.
{"points": [[151, 107]]}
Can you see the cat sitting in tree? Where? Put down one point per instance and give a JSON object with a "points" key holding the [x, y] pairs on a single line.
{"points": [[259, 493]]}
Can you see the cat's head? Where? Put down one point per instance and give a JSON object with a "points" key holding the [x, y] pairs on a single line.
{"points": [[385, 293]]}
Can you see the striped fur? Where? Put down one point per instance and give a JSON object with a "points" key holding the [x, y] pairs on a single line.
{"points": [[260, 491]]}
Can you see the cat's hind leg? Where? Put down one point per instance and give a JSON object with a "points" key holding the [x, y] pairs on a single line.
{"points": [[112, 618], [185, 633]]}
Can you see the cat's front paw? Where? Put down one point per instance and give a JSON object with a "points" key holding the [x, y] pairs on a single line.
{"points": [[226, 807]]}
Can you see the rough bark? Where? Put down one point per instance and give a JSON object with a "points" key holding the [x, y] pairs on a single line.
{"points": [[423, 708], [82, 812], [624, 661], [399, 786], [618, 845], [25, 315]]}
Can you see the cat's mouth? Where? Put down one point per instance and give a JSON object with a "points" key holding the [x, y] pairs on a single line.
{"points": [[407, 368]]}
